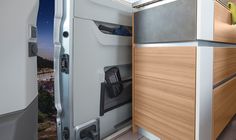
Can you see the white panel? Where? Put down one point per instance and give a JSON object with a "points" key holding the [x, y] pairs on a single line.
{"points": [[205, 19], [204, 91], [110, 11], [18, 72], [91, 53]]}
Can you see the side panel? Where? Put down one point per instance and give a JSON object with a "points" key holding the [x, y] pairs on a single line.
{"points": [[205, 19], [164, 91], [94, 50], [204, 89], [18, 84]]}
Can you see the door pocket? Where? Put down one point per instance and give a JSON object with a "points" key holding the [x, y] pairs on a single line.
{"points": [[109, 39]]}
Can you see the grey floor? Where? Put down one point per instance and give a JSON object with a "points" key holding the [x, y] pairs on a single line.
{"points": [[229, 132]]}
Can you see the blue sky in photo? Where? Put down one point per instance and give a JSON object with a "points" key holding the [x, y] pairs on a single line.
{"points": [[45, 28]]}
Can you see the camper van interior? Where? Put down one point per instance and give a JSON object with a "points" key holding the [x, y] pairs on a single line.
{"points": [[123, 69]]}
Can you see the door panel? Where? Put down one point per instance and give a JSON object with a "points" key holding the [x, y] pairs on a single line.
{"points": [[110, 11], [93, 51], [224, 63], [18, 71], [164, 91], [90, 52], [224, 105], [18, 84]]}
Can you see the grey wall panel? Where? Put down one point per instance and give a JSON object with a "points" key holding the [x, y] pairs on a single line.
{"points": [[109, 11], [21, 125], [175, 21], [92, 51]]}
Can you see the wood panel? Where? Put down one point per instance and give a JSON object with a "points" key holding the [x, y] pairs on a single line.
{"points": [[224, 63], [224, 105], [165, 91], [223, 29]]}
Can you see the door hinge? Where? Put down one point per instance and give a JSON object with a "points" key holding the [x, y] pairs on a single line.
{"points": [[66, 133], [65, 63]]}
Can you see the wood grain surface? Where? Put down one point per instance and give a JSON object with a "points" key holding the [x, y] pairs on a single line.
{"points": [[224, 31], [224, 63], [224, 106], [164, 91]]}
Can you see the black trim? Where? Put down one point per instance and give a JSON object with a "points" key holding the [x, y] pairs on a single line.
{"points": [[102, 111], [224, 81]]}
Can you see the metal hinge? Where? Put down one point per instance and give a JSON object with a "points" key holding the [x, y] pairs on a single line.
{"points": [[66, 133], [65, 63]]}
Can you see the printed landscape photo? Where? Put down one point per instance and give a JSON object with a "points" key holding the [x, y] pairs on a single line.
{"points": [[47, 111]]}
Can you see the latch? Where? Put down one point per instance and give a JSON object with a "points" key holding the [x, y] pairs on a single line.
{"points": [[32, 43], [33, 49], [65, 63], [88, 131]]}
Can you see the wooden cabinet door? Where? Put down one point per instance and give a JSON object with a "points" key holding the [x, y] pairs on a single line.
{"points": [[224, 64], [224, 105], [223, 29], [164, 91]]}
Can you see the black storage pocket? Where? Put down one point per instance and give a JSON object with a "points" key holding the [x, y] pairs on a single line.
{"points": [[114, 83], [117, 88]]}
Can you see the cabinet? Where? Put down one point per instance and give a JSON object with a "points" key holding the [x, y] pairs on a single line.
{"points": [[168, 91], [164, 100], [224, 105], [224, 94], [184, 89]]}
